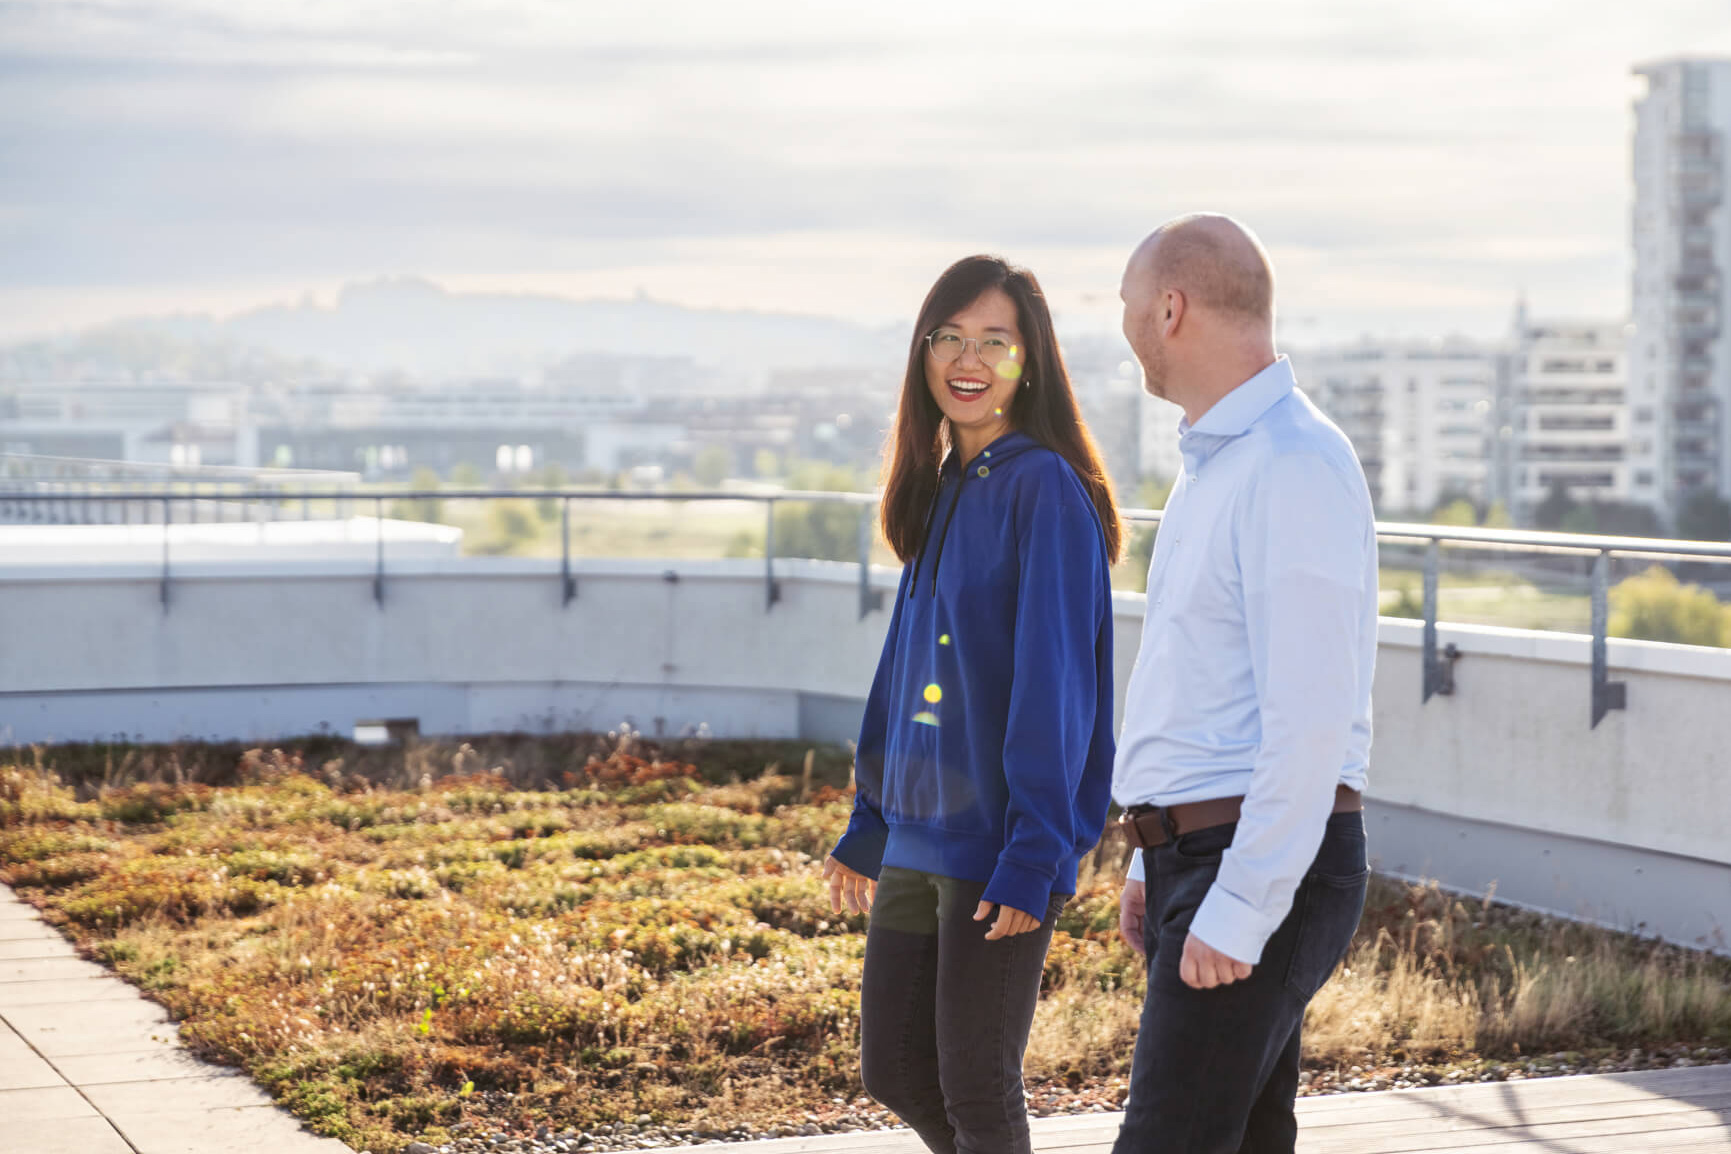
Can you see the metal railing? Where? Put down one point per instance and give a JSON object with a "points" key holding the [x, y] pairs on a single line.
{"points": [[88, 491], [869, 599], [1438, 664], [1606, 695]]}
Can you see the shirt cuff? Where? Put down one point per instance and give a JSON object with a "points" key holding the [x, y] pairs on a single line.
{"points": [[1138, 872], [1232, 926]]}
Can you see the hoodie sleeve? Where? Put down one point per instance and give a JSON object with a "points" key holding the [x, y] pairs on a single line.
{"points": [[1054, 692], [861, 847]]}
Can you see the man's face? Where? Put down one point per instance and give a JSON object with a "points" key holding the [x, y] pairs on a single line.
{"points": [[1141, 325]]}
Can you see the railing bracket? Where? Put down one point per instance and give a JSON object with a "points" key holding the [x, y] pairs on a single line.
{"points": [[1606, 694]]}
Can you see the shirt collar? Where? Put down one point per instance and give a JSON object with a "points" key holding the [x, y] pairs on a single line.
{"points": [[1233, 414]]}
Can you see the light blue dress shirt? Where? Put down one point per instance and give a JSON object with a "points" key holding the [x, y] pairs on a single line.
{"points": [[1254, 673]]}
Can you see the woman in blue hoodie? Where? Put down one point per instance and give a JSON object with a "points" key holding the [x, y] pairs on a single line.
{"points": [[985, 759]]}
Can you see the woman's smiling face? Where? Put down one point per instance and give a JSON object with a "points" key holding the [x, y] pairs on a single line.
{"points": [[975, 389]]}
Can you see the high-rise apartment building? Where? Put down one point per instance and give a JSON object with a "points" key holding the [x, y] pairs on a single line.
{"points": [[1680, 358], [1566, 413], [1417, 412]]}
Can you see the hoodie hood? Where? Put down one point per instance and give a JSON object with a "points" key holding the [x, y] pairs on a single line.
{"points": [[952, 476]]}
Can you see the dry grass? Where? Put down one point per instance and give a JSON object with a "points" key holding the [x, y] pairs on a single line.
{"points": [[395, 941]]}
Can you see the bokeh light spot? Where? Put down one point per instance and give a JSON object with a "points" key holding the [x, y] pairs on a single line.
{"points": [[925, 718], [934, 694], [944, 640], [1008, 369], [983, 471]]}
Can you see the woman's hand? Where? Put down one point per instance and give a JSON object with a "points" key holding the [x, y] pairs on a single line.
{"points": [[848, 888], [1009, 923]]}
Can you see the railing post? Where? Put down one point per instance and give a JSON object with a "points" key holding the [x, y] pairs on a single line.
{"points": [[869, 599], [379, 570], [167, 518], [1607, 694], [771, 591], [1432, 565], [568, 583]]}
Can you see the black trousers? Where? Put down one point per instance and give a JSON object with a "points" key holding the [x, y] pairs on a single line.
{"points": [[1216, 1071], [944, 1014]]}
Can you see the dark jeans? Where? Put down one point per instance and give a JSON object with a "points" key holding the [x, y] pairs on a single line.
{"points": [[944, 1014], [1216, 1070]]}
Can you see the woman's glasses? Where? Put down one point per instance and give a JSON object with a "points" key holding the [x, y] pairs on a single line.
{"points": [[948, 346]]}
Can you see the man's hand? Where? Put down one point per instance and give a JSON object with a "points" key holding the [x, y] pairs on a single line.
{"points": [[1009, 921], [848, 888], [1205, 967], [1132, 908]]}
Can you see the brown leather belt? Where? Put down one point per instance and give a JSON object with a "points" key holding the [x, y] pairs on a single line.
{"points": [[1147, 826]]}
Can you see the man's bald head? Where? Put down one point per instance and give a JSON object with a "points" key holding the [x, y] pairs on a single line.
{"points": [[1217, 263]]}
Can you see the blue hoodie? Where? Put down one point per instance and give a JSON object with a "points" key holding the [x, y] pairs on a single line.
{"points": [[986, 750]]}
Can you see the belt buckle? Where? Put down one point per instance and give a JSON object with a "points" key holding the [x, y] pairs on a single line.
{"points": [[1128, 819], [1133, 829]]}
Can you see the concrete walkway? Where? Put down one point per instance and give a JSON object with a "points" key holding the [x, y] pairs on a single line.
{"points": [[87, 1066], [1653, 1110]]}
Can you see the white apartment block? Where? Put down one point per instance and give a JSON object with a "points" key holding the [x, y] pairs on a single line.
{"points": [[1680, 361], [1568, 412], [1418, 412]]}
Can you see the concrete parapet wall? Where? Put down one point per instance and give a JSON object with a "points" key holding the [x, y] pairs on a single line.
{"points": [[1502, 782]]}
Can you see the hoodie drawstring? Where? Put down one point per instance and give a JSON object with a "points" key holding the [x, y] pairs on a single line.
{"points": [[943, 536]]}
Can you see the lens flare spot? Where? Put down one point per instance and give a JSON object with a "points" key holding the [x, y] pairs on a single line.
{"points": [[983, 471], [934, 694], [923, 717], [997, 412], [1008, 369], [944, 640]]}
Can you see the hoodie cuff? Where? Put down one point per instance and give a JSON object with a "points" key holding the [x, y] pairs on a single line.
{"points": [[1020, 888], [862, 851]]}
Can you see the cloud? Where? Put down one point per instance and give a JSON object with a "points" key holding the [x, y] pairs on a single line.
{"points": [[188, 142]]}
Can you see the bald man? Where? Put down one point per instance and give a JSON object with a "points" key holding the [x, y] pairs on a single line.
{"points": [[1247, 720]]}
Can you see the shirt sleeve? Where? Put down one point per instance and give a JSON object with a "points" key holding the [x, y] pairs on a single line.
{"points": [[1054, 690], [1302, 540], [1138, 872], [861, 846]]}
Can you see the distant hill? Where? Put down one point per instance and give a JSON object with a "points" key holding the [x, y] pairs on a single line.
{"points": [[414, 326]]}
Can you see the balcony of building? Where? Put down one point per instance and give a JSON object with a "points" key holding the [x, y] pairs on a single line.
{"points": [[1547, 452]]}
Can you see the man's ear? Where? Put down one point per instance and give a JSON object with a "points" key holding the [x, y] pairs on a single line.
{"points": [[1171, 311]]}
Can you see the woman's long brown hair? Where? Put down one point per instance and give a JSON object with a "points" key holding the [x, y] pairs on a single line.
{"points": [[1046, 410]]}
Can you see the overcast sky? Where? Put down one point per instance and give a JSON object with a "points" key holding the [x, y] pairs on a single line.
{"points": [[1412, 166]]}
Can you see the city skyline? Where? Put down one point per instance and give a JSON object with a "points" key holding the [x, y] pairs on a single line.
{"points": [[1412, 172]]}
